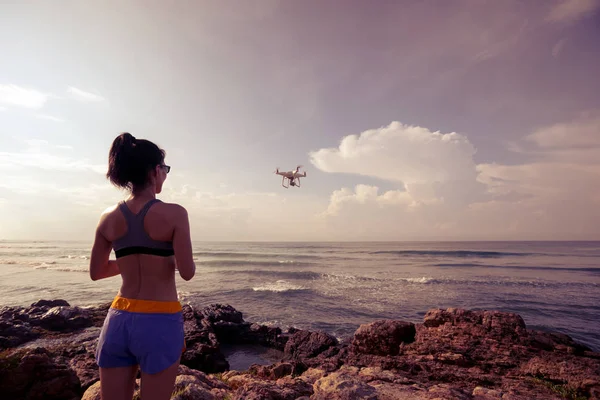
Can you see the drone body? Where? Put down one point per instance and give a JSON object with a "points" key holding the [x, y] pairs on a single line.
{"points": [[293, 177]]}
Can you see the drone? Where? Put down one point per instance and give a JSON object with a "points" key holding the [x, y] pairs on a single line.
{"points": [[293, 177]]}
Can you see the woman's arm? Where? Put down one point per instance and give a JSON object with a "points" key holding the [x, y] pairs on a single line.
{"points": [[182, 245], [100, 266]]}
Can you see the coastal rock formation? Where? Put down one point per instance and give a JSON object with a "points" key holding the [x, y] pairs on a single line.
{"points": [[454, 354], [383, 337]]}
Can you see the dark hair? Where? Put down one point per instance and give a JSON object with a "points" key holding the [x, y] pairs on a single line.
{"points": [[130, 161]]}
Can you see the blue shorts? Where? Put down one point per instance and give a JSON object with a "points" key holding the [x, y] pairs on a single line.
{"points": [[144, 332]]}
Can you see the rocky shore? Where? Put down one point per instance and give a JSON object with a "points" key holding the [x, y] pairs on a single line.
{"points": [[47, 352]]}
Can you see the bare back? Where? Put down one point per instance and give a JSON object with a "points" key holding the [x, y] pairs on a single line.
{"points": [[145, 276]]}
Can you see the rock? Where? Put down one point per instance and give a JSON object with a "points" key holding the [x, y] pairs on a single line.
{"points": [[34, 375], [581, 376], [306, 344], [188, 387], [202, 347], [222, 312], [503, 323], [204, 358], [93, 392], [249, 388], [266, 336], [20, 325], [15, 332], [453, 354], [85, 367], [51, 303], [64, 319], [383, 337], [553, 341], [281, 370], [481, 393], [207, 381], [437, 317], [343, 385]]}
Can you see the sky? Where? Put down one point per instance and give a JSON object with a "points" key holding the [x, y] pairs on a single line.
{"points": [[414, 120]]}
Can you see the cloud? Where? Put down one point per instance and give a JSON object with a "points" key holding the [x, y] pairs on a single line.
{"points": [[14, 95], [3, 109], [572, 10], [81, 95], [49, 117], [429, 165], [366, 194], [553, 195], [400, 153], [582, 133], [39, 154]]}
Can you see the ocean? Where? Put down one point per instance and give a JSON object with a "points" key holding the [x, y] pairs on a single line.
{"points": [[335, 287]]}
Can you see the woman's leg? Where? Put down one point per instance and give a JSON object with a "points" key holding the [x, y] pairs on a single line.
{"points": [[159, 386], [118, 383]]}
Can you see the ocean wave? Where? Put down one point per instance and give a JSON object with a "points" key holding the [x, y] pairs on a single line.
{"points": [[27, 247], [452, 253], [68, 269], [183, 295], [527, 267], [422, 279], [347, 278], [278, 286], [234, 254], [42, 265], [263, 263], [306, 275]]}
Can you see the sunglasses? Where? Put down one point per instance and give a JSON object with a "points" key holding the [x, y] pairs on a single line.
{"points": [[167, 168]]}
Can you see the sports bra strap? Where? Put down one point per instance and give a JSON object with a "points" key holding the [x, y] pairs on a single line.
{"points": [[129, 215], [146, 208]]}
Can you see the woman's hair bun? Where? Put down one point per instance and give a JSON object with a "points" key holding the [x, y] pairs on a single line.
{"points": [[127, 139], [130, 161]]}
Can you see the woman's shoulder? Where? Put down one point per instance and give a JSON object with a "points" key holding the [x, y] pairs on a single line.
{"points": [[172, 209]]}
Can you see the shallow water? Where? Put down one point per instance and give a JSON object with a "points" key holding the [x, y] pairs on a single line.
{"points": [[241, 357]]}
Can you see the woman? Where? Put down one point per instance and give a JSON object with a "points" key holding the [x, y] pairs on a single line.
{"points": [[144, 325]]}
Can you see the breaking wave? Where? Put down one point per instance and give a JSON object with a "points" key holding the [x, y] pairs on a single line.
{"points": [[278, 286]]}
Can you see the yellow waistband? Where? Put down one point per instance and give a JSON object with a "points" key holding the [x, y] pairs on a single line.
{"points": [[146, 306]]}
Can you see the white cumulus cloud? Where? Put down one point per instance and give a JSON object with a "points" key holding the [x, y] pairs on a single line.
{"points": [[401, 153], [555, 194]]}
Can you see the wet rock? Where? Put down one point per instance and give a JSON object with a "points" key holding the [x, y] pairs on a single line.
{"points": [[64, 319], [51, 303], [15, 332], [222, 313]]}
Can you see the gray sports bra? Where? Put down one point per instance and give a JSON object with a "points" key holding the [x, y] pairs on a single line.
{"points": [[136, 240]]}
